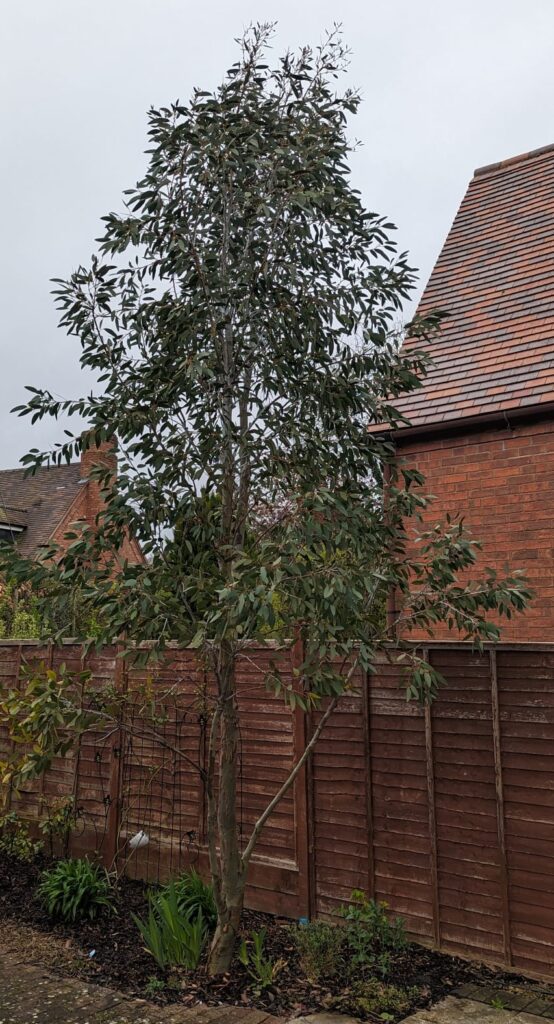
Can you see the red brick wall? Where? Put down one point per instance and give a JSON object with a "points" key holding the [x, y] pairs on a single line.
{"points": [[502, 482], [87, 506], [89, 501]]}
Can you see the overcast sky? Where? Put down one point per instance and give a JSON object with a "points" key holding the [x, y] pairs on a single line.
{"points": [[447, 87]]}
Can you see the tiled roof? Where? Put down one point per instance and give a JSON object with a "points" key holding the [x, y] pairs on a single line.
{"points": [[495, 277], [40, 501]]}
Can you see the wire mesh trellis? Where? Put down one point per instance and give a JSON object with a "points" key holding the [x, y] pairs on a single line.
{"points": [[161, 793], [139, 778]]}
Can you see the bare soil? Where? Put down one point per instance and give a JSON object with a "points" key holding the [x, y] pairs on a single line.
{"points": [[109, 950]]}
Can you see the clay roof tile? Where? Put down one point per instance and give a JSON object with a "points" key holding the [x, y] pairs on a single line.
{"points": [[38, 503], [495, 277]]}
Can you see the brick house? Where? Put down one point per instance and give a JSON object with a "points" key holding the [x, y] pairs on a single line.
{"points": [[482, 426], [38, 509]]}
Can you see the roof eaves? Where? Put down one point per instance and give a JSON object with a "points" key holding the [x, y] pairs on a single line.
{"points": [[454, 425]]}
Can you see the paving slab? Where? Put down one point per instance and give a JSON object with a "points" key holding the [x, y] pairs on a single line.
{"points": [[325, 1018], [453, 1010]]}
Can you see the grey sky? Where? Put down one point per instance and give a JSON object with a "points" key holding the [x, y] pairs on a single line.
{"points": [[447, 86]]}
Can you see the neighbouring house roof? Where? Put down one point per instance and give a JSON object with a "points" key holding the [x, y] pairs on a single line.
{"points": [[495, 277], [37, 503]]}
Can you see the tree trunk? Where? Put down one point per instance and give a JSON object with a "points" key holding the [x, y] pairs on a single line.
{"points": [[232, 873], [223, 942]]}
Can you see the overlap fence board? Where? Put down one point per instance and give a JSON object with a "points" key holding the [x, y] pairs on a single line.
{"points": [[400, 802], [468, 848], [526, 693], [446, 813], [339, 800]]}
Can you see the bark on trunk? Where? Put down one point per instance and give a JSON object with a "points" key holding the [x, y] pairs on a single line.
{"points": [[232, 873], [223, 942]]}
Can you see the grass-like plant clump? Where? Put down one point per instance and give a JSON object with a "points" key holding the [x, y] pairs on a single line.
{"points": [[171, 937], [74, 890], [195, 896], [263, 970]]}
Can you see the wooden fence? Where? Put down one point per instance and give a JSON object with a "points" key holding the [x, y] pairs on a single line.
{"points": [[447, 813]]}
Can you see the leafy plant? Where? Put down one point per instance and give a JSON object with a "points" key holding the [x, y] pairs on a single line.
{"points": [[320, 946], [195, 896], [373, 997], [30, 611], [59, 821], [172, 938], [261, 968], [75, 889], [154, 986], [370, 935], [15, 838], [19, 617], [498, 1003]]}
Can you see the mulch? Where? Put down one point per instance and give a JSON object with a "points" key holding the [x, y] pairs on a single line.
{"points": [[110, 952]]}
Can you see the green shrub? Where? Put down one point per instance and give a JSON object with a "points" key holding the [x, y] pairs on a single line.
{"points": [[172, 938], [370, 936], [75, 889], [59, 822], [373, 997], [261, 968], [320, 947], [19, 617], [25, 625], [15, 839], [154, 986], [193, 896]]}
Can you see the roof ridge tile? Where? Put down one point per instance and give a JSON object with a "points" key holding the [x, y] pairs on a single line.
{"points": [[500, 165]]}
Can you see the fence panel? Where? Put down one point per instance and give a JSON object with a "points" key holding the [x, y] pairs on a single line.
{"points": [[470, 864], [526, 696], [339, 798], [445, 813], [161, 790], [401, 846]]}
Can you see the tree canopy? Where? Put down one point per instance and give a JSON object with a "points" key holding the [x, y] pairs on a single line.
{"points": [[241, 318]]}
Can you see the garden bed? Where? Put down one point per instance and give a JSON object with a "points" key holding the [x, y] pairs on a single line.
{"points": [[109, 950]]}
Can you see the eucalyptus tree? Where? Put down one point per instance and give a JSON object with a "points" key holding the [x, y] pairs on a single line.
{"points": [[240, 316]]}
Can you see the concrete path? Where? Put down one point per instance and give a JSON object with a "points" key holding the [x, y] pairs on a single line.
{"points": [[32, 995]]}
